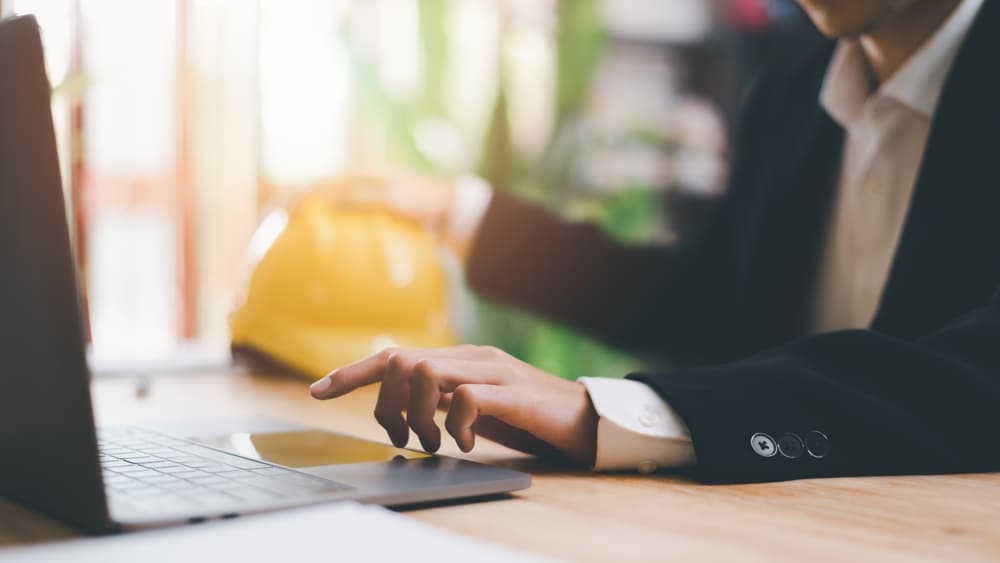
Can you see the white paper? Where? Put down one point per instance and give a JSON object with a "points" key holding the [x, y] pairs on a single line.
{"points": [[344, 531]]}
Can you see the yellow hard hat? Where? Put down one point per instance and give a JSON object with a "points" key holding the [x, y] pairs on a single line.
{"points": [[332, 285]]}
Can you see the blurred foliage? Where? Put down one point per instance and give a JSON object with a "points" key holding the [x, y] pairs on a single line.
{"points": [[391, 114], [580, 41], [434, 43], [628, 214], [73, 87]]}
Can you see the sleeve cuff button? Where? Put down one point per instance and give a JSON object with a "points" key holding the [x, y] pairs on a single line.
{"points": [[791, 445], [648, 419], [646, 467], [763, 445], [817, 444]]}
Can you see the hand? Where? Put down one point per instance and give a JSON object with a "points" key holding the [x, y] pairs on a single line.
{"points": [[484, 390]]}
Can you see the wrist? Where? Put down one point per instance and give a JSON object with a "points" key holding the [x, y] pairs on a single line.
{"points": [[636, 428], [585, 445]]}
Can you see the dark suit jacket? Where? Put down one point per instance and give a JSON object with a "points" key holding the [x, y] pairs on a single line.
{"points": [[917, 392]]}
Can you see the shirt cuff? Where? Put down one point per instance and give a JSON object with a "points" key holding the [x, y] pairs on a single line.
{"points": [[637, 429], [468, 206]]}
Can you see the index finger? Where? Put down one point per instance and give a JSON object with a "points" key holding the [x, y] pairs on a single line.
{"points": [[370, 370], [348, 378]]}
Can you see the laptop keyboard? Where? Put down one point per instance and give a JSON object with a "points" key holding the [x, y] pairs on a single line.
{"points": [[156, 473]]}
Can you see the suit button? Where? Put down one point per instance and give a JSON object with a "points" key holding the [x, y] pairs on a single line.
{"points": [[791, 445], [763, 445], [817, 444], [648, 419]]}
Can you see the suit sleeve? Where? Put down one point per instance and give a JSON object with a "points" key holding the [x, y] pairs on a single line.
{"points": [[570, 272], [885, 406]]}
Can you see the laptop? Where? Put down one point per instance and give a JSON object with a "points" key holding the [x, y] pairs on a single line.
{"points": [[55, 461]]}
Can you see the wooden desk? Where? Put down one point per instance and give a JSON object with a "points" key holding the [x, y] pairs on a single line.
{"points": [[577, 515]]}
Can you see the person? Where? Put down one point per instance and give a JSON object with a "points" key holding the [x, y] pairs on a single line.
{"points": [[840, 317]]}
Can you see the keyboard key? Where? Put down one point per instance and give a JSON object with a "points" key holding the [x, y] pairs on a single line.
{"points": [[155, 450], [115, 464], [160, 465], [216, 468], [144, 474], [160, 478], [174, 469], [179, 484], [130, 468], [140, 459], [200, 464], [207, 480], [226, 485], [235, 474]]}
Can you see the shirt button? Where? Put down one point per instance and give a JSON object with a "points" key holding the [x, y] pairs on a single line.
{"points": [[648, 419], [648, 466], [791, 445], [763, 445], [817, 444]]}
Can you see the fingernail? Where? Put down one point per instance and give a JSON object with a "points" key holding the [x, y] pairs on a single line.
{"points": [[320, 387]]}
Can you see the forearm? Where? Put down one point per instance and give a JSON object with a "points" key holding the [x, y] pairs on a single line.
{"points": [[572, 273]]}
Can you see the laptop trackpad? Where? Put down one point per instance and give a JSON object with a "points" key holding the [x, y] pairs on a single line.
{"points": [[307, 448]]}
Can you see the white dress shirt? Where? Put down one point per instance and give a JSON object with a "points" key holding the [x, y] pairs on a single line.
{"points": [[887, 131], [886, 128]]}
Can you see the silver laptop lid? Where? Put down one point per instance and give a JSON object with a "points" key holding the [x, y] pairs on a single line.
{"points": [[48, 450]]}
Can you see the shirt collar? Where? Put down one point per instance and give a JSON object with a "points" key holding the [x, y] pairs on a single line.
{"points": [[917, 84]]}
